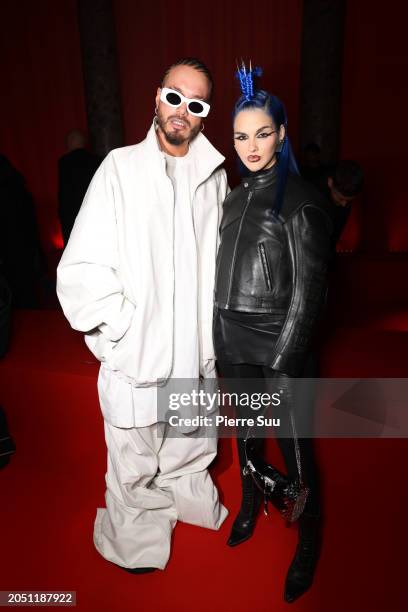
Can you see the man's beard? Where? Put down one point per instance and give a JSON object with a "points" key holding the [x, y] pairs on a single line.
{"points": [[174, 138]]}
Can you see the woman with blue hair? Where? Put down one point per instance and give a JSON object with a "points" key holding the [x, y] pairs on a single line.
{"points": [[270, 287]]}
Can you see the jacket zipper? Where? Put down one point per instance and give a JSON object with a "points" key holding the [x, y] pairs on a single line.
{"points": [[265, 266], [234, 255]]}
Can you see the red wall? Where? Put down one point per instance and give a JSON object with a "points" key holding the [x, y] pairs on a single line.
{"points": [[374, 125], [42, 89], [42, 96]]}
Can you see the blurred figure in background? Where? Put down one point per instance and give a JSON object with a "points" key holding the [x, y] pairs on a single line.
{"points": [[312, 169], [341, 184], [20, 252], [7, 445], [75, 171]]}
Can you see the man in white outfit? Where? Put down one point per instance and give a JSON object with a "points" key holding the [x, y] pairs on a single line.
{"points": [[137, 276]]}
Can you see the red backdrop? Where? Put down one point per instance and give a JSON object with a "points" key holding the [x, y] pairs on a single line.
{"points": [[42, 95], [375, 100]]}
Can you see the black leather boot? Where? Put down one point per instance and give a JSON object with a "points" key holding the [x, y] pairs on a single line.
{"points": [[244, 523], [301, 571]]}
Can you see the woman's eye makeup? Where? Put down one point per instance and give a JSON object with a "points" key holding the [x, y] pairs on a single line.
{"points": [[260, 135]]}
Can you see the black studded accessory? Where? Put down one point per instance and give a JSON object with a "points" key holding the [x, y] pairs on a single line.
{"points": [[288, 496]]}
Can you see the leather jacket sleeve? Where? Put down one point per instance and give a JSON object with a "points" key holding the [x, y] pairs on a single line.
{"points": [[308, 234]]}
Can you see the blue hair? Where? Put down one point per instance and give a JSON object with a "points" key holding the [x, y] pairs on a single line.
{"points": [[272, 106]]}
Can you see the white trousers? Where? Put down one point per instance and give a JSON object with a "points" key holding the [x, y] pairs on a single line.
{"points": [[152, 481]]}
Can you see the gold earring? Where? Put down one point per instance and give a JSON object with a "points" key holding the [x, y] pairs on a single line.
{"points": [[202, 127]]}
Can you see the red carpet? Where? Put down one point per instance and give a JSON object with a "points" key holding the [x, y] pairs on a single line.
{"points": [[55, 481]]}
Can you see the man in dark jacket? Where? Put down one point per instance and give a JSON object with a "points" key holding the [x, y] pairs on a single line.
{"points": [[21, 256], [75, 171], [340, 184]]}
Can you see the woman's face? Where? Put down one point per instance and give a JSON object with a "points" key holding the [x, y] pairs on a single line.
{"points": [[256, 139]]}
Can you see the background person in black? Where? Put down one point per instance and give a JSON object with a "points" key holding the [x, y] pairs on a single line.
{"points": [[344, 183], [270, 287], [75, 171], [312, 169], [340, 184], [7, 446], [21, 257]]}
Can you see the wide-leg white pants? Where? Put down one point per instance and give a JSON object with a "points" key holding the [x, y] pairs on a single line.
{"points": [[152, 481]]}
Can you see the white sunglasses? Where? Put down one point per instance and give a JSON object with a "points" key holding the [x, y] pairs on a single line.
{"points": [[176, 99]]}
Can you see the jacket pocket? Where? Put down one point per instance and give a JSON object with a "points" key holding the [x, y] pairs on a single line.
{"points": [[265, 266], [101, 345]]}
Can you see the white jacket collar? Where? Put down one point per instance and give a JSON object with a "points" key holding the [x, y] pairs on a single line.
{"points": [[205, 156]]}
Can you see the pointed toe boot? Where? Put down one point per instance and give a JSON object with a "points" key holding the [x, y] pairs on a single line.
{"points": [[301, 572], [245, 520]]}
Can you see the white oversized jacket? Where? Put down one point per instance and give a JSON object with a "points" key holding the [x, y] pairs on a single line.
{"points": [[115, 280]]}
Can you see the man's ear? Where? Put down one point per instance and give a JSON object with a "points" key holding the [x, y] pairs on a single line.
{"points": [[158, 96]]}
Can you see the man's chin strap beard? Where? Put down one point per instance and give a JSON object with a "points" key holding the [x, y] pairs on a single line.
{"points": [[171, 139], [174, 140], [179, 140]]}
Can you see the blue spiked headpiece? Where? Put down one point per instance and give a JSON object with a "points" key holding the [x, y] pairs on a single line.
{"points": [[246, 79]]}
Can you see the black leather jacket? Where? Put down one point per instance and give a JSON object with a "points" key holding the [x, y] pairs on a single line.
{"points": [[268, 266]]}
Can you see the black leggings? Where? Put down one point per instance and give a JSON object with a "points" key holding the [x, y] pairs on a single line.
{"points": [[285, 442]]}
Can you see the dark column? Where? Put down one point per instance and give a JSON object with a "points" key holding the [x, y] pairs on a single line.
{"points": [[321, 75], [102, 93]]}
